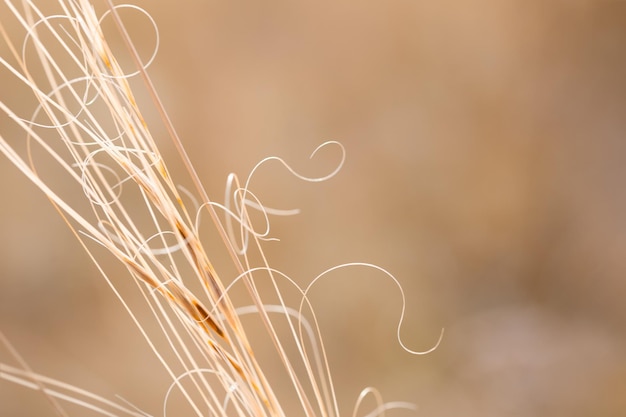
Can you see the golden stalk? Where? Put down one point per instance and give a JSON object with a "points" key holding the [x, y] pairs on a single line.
{"points": [[101, 152]]}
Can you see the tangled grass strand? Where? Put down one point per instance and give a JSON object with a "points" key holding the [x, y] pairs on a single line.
{"points": [[87, 128]]}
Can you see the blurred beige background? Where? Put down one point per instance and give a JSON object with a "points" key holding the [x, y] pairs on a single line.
{"points": [[485, 169]]}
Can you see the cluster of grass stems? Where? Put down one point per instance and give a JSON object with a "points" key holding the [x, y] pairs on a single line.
{"points": [[86, 136]]}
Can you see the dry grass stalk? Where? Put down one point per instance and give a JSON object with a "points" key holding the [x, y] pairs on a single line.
{"points": [[88, 126]]}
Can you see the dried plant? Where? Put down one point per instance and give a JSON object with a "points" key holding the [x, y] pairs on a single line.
{"points": [[87, 137]]}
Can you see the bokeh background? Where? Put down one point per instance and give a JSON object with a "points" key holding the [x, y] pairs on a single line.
{"points": [[485, 169]]}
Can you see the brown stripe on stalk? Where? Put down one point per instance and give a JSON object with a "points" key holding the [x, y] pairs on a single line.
{"points": [[203, 267], [176, 294], [107, 62], [205, 318], [195, 310]]}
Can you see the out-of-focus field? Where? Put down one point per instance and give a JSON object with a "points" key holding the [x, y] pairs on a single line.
{"points": [[486, 169]]}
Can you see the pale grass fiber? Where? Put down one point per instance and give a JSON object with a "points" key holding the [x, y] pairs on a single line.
{"points": [[86, 128]]}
